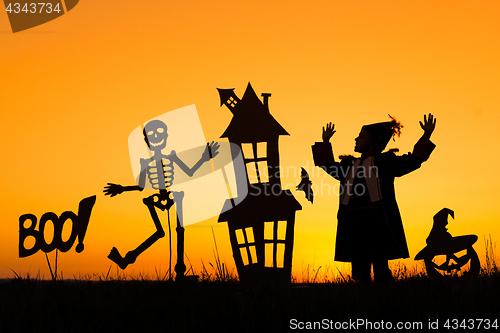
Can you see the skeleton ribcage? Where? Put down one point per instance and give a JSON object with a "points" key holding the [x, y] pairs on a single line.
{"points": [[162, 176]]}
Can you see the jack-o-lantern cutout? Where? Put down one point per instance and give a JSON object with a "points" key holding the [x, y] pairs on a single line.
{"points": [[441, 243]]}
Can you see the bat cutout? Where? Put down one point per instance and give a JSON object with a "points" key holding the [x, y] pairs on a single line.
{"points": [[305, 185]]}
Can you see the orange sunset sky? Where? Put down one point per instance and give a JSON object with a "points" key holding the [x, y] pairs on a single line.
{"points": [[73, 89]]}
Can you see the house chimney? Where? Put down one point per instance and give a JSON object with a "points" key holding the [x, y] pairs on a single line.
{"points": [[266, 96]]}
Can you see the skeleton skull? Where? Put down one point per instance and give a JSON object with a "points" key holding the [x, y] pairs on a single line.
{"points": [[155, 135]]}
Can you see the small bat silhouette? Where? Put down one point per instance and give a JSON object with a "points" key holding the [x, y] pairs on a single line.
{"points": [[305, 185]]}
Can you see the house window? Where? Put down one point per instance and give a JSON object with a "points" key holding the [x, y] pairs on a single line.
{"points": [[274, 240], [262, 150], [247, 149], [255, 155], [231, 102], [246, 244]]}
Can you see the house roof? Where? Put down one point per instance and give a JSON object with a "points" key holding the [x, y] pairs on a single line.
{"points": [[252, 121], [264, 207], [225, 94]]}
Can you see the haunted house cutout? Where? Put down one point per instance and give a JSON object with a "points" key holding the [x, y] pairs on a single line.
{"points": [[261, 227]]}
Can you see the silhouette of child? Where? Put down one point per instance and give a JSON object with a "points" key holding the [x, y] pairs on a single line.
{"points": [[370, 230]]}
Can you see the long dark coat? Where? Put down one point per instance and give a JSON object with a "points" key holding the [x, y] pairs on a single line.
{"points": [[381, 236]]}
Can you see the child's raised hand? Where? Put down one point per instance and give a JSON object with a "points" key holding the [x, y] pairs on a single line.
{"points": [[429, 124], [328, 132]]}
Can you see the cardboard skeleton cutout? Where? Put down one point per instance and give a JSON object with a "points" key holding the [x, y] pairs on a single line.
{"points": [[158, 170], [441, 242]]}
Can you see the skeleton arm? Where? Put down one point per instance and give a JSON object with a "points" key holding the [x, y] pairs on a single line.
{"points": [[115, 189], [210, 152]]}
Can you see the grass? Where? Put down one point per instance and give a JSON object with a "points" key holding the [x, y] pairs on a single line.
{"points": [[490, 267], [142, 304], [220, 271], [118, 301]]}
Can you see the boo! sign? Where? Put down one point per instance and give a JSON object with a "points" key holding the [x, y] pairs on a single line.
{"points": [[79, 221]]}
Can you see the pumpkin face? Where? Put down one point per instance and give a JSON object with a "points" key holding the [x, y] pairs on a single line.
{"points": [[454, 266]]}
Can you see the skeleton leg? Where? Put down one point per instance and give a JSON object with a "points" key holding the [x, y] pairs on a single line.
{"points": [[180, 267], [131, 256]]}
